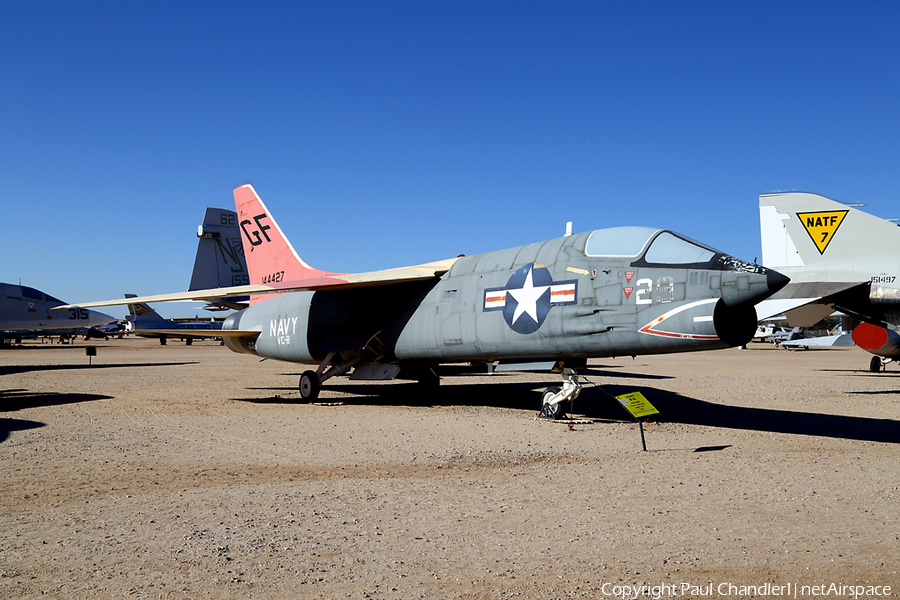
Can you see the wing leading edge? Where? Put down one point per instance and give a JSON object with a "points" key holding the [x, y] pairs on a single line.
{"points": [[333, 282]]}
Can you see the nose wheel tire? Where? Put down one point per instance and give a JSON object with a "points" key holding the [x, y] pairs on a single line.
{"points": [[875, 365], [309, 386], [552, 411]]}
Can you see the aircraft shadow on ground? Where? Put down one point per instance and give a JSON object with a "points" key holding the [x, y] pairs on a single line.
{"points": [[13, 369], [18, 399], [518, 395], [863, 372], [675, 408], [598, 402], [12, 400], [594, 372], [499, 392], [10, 425], [38, 347]]}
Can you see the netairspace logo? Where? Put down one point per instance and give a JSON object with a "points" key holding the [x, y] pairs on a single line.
{"points": [[724, 590]]}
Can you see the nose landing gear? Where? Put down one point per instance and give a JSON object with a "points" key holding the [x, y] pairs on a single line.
{"points": [[556, 401]]}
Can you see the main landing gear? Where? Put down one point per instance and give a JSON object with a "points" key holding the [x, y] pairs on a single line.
{"points": [[879, 363], [311, 381], [556, 401], [338, 363], [309, 385]]}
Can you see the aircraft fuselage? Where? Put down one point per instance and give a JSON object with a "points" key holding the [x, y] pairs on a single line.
{"points": [[550, 300], [25, 308]]}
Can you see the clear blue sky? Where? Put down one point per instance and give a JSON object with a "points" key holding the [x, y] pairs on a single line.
{"points": [[385, 133]]}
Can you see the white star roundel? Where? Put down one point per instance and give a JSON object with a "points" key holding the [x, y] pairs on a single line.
{"points": [[528, 296]]}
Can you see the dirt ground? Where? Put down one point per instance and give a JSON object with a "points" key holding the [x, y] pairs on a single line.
{"points": [[192, 472]]}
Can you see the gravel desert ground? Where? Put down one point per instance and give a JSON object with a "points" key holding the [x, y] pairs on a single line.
{"points": [[192, 472]]}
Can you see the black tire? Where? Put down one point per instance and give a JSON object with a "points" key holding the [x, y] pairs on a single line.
{"points": [[875, 364], [309, 386], [553, 412]]}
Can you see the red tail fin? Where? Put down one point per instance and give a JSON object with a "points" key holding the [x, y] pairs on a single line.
{"points": [[271, 260]]}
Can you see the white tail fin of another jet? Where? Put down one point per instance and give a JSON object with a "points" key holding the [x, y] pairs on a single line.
{"points": [[808, 230]]}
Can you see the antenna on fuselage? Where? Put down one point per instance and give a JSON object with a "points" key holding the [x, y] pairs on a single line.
{"points": [[568, 228]]}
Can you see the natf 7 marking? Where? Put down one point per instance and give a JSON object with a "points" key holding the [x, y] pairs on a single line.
{"points": [[282, 329], [821, 226]]}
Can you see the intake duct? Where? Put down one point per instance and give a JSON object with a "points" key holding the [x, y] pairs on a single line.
{"points": [[735, 325]]}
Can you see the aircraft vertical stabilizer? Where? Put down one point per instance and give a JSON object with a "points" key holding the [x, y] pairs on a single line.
{"points": [[838, 259], [142, 311], [220, 256], [808, 230], [270, 257]]}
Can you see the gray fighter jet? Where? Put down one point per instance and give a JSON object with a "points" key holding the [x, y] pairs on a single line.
{"points": [[838, 259], [549, 305], [24, 310]]}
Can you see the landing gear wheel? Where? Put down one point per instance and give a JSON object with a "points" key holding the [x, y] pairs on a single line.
{"points": [[548, 411], [875, 364], [309, 386]]}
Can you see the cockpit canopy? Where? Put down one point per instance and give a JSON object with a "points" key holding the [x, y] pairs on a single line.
{"points": [[654, 246], [20, 291]]}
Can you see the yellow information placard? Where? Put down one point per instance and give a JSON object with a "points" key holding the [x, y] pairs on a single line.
{"points": [[637, 405]]}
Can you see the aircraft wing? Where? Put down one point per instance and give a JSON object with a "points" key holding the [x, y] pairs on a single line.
{"points": [[194, 332], [799, 312], [372, 278], [808, 307], [841, 340]]}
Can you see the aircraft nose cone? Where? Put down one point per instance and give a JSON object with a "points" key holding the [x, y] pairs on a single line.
{"points": [[735, 316], [775, 280], [747, 283]]}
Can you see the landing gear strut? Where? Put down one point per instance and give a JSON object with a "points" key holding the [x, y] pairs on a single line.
{"points": [[337, 363], [555, 401]]}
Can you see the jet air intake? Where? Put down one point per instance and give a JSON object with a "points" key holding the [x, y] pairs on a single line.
{"points": [[735, 325], [743, 287]]}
